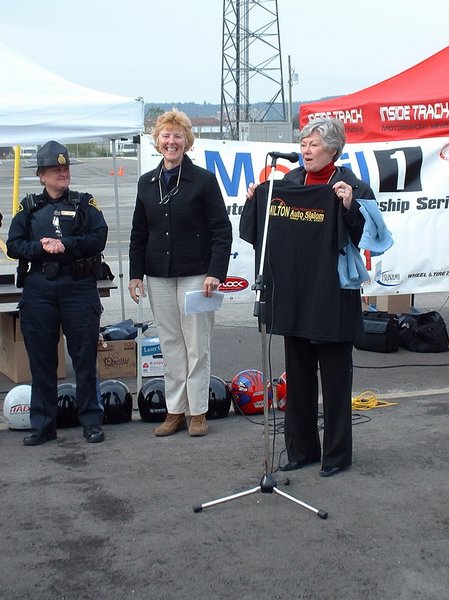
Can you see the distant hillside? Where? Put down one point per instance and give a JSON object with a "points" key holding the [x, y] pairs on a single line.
{"points": [[190, 108], [206, 109]]}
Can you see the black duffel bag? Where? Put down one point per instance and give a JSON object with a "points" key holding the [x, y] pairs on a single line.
{"points": [[425, 332], [381, 332]]}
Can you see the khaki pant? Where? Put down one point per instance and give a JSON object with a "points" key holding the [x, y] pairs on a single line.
{"points": [[185, 343]]}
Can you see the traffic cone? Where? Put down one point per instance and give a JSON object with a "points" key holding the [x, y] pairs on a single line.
{"points": [[120, 172], [111, 172]]}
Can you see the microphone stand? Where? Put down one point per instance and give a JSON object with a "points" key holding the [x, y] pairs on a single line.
{"points": [[268, 483]]}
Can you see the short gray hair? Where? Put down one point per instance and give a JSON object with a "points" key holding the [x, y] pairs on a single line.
{"points": [[331, 130]]}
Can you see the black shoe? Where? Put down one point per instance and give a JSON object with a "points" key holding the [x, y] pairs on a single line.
{"points": [[292, 466], [93, 434], [329, 471], [39, 437]]}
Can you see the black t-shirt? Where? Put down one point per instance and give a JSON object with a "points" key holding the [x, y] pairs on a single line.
{"points": [[305, 235]]}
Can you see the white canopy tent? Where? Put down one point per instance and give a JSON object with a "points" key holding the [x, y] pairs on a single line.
{"points": [[36, 106]]}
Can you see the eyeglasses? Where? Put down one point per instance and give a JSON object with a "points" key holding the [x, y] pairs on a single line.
{"points": [[169, 195], [165, 199]]}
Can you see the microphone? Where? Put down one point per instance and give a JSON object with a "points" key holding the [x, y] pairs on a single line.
{"points": [[291, 156]]}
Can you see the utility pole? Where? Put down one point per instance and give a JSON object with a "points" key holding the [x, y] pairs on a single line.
{"points": [[293, 79], [251, 57]]}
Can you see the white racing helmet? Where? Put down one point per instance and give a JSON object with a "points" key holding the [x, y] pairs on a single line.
{"points": [[16, 407]]}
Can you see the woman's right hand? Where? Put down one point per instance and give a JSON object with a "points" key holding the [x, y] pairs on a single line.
{"points": [[52, 245], [136, 289], [251, 191]]}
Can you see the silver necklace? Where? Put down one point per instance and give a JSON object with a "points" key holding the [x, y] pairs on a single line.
{"points": [[165, 199]]}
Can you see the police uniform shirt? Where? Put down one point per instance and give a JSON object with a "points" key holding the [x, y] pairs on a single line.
{"points": [[55, 219], [75, 218]]}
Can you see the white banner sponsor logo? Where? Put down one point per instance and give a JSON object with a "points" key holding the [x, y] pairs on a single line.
{"points": [[410, 179]]}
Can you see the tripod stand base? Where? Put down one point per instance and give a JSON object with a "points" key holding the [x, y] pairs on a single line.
{"points": [[268, 485]]}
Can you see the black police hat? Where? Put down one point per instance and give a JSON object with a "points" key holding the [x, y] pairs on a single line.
{"points": [[52, 154]]}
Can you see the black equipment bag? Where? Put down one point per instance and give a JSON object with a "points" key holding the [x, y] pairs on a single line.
{"points": [[381, 332], [425, 332]]}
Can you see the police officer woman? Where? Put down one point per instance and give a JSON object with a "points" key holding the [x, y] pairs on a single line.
{"points": [[56, 236]]}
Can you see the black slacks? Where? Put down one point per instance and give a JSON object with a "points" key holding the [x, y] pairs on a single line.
{"points": [[45, 307], [334, 361]]}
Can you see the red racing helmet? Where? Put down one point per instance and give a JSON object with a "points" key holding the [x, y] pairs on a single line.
{"points": [[247, 390]]}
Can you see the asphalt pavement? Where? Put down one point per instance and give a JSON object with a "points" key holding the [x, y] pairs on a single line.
{"points": [[115, 521]]}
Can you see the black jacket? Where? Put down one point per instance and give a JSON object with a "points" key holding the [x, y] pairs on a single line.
{"points": [[189, 235]]}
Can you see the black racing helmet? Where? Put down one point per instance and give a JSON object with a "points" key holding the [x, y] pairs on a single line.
{"points": [[220, 398], [117, 402], [151, 400], [67, 415]]}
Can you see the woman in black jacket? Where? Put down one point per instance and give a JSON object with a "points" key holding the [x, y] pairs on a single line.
{"points": [[318, 319], [181, 240]]}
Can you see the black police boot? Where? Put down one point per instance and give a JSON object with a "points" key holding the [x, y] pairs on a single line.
{"points": [[93, 434], [36, 438]]}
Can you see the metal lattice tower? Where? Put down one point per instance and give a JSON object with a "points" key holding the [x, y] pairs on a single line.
{"points": [[251, 57]]}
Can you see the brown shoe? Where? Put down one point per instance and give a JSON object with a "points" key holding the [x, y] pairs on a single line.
{"points": [[171, 425], [198, 426]]}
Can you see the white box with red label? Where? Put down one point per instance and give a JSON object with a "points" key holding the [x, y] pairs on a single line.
{"points": [[151, 360]]}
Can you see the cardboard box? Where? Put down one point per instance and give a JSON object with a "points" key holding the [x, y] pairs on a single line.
{"points": [[117, 359], [398, 303], [13, 356], [151, 360]]}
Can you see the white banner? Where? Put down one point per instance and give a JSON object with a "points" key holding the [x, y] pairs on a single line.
{"points": [[409, 178]]}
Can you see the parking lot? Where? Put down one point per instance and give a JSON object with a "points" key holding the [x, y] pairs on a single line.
{"points": [[115, 521]]}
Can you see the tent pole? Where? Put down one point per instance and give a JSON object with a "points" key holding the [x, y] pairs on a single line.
{"points": [[15, 196], [117, 212]]}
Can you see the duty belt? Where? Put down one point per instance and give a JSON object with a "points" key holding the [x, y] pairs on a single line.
{"points": [[52, 270]]}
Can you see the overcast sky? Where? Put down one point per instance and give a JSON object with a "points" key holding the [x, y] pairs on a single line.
{"points": [[170, 50]]}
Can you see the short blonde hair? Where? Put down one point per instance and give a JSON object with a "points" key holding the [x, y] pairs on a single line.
{"points": [[174, 118]]}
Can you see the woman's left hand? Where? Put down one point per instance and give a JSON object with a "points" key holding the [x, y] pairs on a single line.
{"points": [[210, 285], [344, 192]]}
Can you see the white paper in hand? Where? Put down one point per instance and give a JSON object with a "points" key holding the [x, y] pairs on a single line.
{"points": [[197, 302]]}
